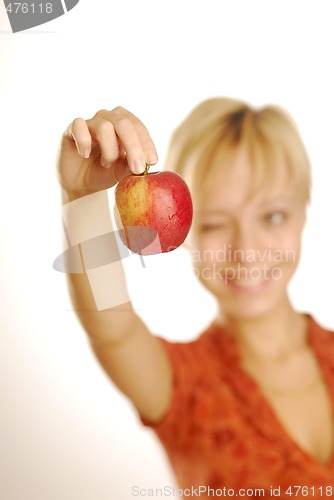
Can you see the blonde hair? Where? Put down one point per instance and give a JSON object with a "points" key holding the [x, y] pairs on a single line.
{"points": [[225, 125]]}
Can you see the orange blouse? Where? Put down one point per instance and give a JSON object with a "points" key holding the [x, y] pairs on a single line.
{"points": [[221, 434]]}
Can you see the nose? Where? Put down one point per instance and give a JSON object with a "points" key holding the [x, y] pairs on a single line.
{"points": [[245, 243]]}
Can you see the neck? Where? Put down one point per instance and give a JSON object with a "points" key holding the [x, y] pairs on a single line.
{"points": [[271, 336]]}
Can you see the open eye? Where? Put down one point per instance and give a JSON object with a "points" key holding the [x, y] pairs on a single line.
{"points": [[275, 218]]}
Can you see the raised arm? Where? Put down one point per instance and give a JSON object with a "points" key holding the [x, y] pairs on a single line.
{"points": [[93, 156]]}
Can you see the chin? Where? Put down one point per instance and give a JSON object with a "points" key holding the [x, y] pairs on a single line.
{"points": [[248, 311]]}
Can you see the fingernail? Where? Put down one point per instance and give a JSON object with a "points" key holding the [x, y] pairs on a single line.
{"points": [[152, 159], [139, 166], [86, 153]]}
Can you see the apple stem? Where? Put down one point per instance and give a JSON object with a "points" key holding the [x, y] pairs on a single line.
{"points": [[146, 169]]}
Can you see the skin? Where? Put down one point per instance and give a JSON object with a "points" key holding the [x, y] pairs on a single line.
{"points": [[91, 158], [102, 141], [253, 305], [94, 155], [261, 234]]}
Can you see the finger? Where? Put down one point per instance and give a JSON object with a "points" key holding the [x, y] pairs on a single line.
{"points": [[104, 134], [127, 133], [79, 132], [134, 137], [147, 145], [150, 152]]}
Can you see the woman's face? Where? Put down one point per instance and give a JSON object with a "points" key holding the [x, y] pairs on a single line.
{"points": [[246, 248]]}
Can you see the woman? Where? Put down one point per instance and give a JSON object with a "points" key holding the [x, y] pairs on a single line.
{"points": [[247, 405]]}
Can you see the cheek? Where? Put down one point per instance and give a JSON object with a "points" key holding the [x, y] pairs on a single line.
{"points": [[288, 247], [208, 254], [205, 254]]}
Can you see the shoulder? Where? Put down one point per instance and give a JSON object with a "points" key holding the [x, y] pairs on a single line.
{"points": [[198, 368], [181, 352], [319, 331], [204, 361], [194, 351], [321, 339]]}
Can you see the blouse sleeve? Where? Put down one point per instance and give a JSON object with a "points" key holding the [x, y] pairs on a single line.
{"points": [[177, 424]]}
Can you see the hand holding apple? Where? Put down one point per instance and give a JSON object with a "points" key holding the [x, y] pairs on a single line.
{"points": [[154, 211], [95, 154]]}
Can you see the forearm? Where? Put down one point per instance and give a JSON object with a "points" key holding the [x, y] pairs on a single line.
{"points": [[99, 293], [104, 326]]}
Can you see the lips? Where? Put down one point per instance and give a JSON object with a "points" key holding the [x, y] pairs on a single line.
{"points": [[248, 283]]}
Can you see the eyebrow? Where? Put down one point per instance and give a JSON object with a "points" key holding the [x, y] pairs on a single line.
{"points": [[279, 199], [263, 204], [217, 211]]}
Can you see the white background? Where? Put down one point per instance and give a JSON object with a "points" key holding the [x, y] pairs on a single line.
{"points": [[65, 432]]}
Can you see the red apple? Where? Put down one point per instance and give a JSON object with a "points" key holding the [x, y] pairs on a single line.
{"points": [[154, 211]]}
